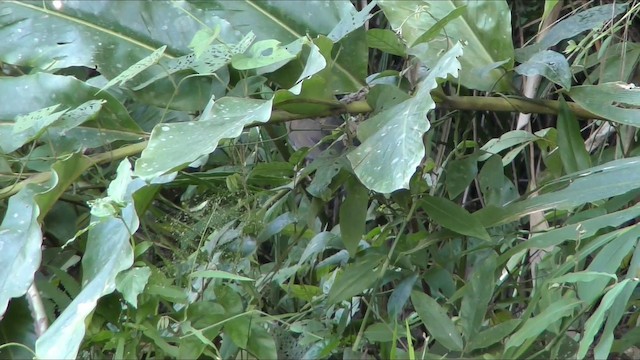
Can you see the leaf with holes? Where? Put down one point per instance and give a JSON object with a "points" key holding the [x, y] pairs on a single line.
{"points": [[392, 144], [617, 101], [176, 145]]}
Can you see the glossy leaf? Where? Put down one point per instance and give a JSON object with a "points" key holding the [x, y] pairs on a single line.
{"points": [[452, 216], [617, 102], [176, 145], [550, 65], [43, 90], [484, 27], [286, 23], [20, 233], [108, 252], [436, 320], [392, 139]]}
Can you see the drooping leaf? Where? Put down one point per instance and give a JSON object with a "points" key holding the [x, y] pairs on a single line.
{"points": [[217, 274], [435, 30], [175, 145], [536, 325], [136, 68], [400, 296], [484, 27], [108, 252], [596, 183], [478, 293], [572, 26], [131, 283], [20, 233], [353, 215], [43, 90], [392, 144], [354, 279], [549, 64], [594, 323], [618, 102], [573, 153], [17, 326], [436, 320], [450, 215], [460, 173]]}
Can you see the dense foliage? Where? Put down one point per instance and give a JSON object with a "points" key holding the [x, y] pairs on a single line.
{"points": [[318, 179]]}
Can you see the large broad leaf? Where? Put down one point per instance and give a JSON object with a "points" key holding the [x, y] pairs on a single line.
{"points": [[618, 102], [549, 64], [108, 252], [110, 36], [175, 145], [484, 27], [74, 129], [20, 233], [392, 144], [287, 21]]}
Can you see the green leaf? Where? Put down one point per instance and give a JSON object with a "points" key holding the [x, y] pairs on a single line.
{"points": [[551, 65], [572, 26], [496, 188], [261, 54], [20, 233], [217, 274], [387, 41], [44, 90], [450, 215], [492, 335], [618, 102], [108, 252], [351, 22], [131, 283], [392, 139], [17, 326], [176, 145], [286, 23], [573, 153], [588, 228], [136, 68], [596, 183], [477, 295], [594, 323], [487, 38], [505, 141], [460, 173], [238, 329], [379, 332], [353, 280], [436, 320], [537, 324], [583, 276], [608, 260], [434, 30], [353, 215], [262, 345], [400, 296]]}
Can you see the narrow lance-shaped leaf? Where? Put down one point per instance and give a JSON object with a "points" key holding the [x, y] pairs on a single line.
{"points": [[392, 144], [436, 320], [136, 68], [618, 102]]}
